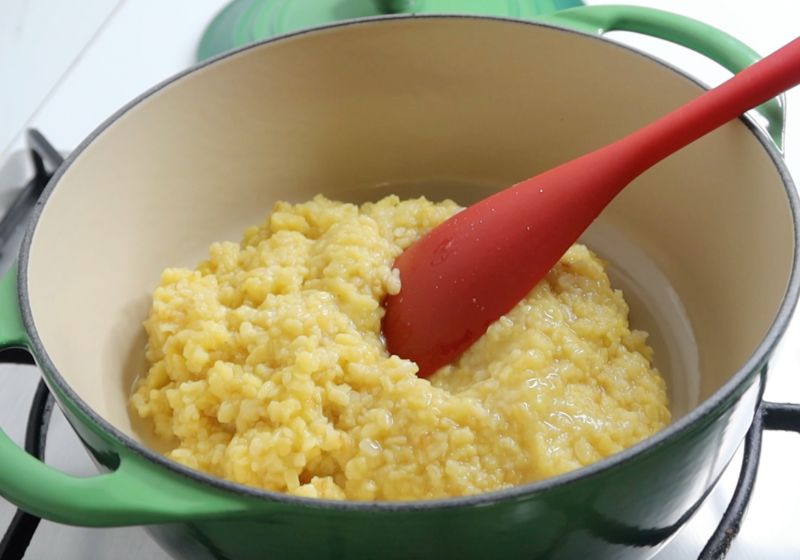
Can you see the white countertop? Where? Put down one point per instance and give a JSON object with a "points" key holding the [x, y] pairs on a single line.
{"points": [[64, 69]]}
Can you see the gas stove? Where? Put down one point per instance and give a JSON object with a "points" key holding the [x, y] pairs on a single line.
{"points": [[90, 63]]}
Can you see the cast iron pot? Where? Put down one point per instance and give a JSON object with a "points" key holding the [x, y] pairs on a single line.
{"points": [[704, 246]]}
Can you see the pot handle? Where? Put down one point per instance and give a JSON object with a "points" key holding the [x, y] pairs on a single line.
{"points": [[717, 45], [129, 495]]}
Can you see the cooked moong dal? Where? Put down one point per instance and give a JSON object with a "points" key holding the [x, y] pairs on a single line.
{"points": [[267, 367]]}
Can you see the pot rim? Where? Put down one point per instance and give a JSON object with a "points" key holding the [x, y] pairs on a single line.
{"points": [[674, 431]]}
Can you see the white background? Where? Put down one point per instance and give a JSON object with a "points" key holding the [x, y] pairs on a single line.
{"points": [[66, 66]]}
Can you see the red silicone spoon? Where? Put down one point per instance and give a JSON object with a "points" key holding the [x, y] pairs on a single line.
{"points": [[476, 266]]}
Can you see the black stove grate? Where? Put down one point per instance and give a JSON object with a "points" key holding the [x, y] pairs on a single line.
{"points": [[23, 525], [45, 160]]}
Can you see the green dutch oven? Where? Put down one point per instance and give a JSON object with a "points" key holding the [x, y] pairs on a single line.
{"points": [[447, 106]]}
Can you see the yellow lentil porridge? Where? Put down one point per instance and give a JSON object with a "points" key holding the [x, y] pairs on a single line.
{"points": [[267, 367]]}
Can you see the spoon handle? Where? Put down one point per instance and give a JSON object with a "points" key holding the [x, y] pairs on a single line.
{"points": [[752, 86]]}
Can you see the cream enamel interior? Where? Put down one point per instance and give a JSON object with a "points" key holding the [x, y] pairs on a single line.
{"points": [[447, 107]]}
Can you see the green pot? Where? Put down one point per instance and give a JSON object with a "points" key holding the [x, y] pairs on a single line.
{"points": [[704, 246]]}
